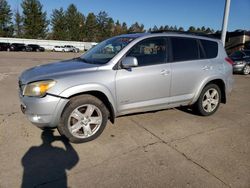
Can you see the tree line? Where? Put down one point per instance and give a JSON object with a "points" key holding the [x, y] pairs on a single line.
{"points": [[69, 24]]}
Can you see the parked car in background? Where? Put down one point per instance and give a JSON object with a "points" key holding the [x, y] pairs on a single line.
{"points": [[241, 61], [69, 48], [138, 73], [36, 48], [66, 48], [4, 46], [58, 49], [20, 47]]}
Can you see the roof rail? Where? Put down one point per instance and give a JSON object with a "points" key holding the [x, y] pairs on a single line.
{"points": [[185, 32]]}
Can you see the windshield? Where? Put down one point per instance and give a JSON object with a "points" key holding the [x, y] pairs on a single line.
{"points": [[106, 50]]}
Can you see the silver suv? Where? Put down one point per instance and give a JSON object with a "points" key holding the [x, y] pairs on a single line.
{"points": [[126, 74]]}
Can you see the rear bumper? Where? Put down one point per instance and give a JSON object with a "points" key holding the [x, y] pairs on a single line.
{"points": [[43, 112], [238, 68]]}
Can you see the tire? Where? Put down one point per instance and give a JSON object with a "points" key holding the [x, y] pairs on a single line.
{"points": [[246, 70], [78, 113], [205, 106]]}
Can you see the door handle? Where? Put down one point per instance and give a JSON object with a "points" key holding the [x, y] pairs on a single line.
{"points": [[165, 72]]}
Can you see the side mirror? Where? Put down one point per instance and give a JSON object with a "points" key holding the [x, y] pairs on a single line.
{"points": [[129, 62]]}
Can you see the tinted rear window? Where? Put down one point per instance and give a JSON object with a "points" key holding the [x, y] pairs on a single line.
{"points": [[184, 49], [210, 48]]}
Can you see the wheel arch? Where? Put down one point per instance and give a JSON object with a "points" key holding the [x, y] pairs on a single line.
{"points": [[219, 82], [96, 90]]}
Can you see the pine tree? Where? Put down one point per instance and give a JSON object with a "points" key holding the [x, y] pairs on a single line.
{"points": [[155, 28], [6, 26], [109, 30], [166, 27], [181, 29], [191, 29], [75, 23], [117, 28], [91, 28], [209, 31], [34, 19], [124, 28], [18, 26], [203, 29], [171, 28], [136, 28], [105, 25], [58, 23], [161, 28]]}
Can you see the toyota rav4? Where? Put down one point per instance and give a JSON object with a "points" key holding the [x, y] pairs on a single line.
{"points": [[123, 75]]}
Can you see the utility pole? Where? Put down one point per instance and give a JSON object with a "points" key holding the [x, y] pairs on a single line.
{"points": [[225, 22]]}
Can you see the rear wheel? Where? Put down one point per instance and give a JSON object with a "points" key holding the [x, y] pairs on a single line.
{"points": [[246, 70], [83, 119], [209, 100]]}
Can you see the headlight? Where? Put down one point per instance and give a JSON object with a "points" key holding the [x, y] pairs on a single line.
{"points": [[38, 89]]}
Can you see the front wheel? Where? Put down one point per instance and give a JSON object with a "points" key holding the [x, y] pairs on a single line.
{"points": [[246, 70], [84, 119], [209, 100]]}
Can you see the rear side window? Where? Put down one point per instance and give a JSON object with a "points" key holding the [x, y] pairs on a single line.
{"points": [[184, 49], [210, 48]]}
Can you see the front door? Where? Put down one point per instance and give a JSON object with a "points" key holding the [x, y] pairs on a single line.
{"points": [[146, 87]]}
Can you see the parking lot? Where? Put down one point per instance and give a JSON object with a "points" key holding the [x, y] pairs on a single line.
{"points": [[168, 148]]}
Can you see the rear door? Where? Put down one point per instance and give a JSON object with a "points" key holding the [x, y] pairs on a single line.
{"points": [[189, 68]]}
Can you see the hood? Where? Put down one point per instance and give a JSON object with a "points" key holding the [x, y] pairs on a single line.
{"points": [[49, 71]]}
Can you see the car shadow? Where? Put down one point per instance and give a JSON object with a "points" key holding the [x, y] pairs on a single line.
{"points": [[187, 109], [46, 165]]}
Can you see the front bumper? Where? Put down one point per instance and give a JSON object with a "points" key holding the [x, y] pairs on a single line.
{"points": [[43, 112]]}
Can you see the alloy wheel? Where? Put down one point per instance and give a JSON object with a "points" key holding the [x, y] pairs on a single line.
{"points": [[85, 121], [210, 100]]}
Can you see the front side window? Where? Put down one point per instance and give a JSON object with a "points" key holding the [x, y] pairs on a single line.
{"points": [[150, 51], [106, 50], [184, 49]]}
